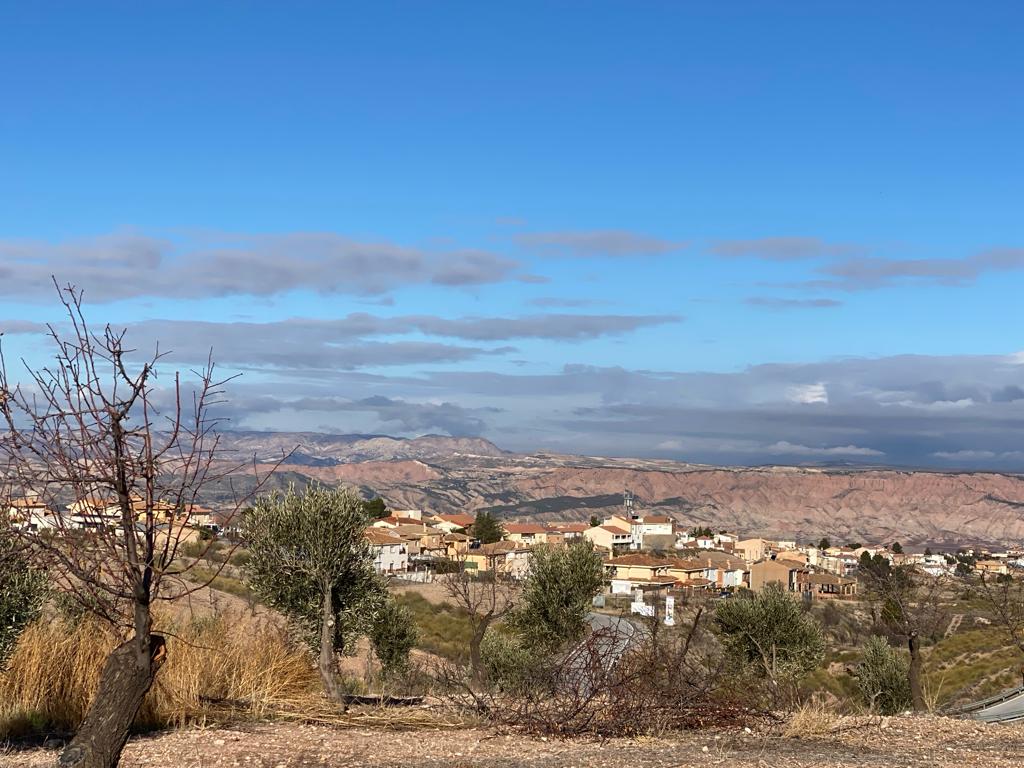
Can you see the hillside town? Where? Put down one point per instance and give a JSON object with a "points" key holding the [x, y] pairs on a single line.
{"points": [[645, 556]]}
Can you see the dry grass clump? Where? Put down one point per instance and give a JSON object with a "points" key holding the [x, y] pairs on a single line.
{"points": [[215, 666], [812, 718]]}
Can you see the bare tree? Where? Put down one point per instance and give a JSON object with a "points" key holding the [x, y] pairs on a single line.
{"points": [[87, 437], [909, 604], [1004, 596], [486, 599]]}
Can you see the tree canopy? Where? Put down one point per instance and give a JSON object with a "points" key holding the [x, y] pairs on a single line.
{"points": [[487, 528], [310, 560], [557, 595], [770, 633]]}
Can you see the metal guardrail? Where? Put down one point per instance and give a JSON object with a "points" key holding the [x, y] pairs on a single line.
{"points": [[1000, 698]]}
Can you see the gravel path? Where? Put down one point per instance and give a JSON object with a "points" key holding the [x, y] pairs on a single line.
{"points": [[902, 741]]}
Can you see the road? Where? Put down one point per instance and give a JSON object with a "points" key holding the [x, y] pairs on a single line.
{"points": [[619, 632], [1005, 707], [609, 640]]}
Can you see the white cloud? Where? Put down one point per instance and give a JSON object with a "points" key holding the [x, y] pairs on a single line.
{"points": [[964, 455], [785, 448], [808, 394]]}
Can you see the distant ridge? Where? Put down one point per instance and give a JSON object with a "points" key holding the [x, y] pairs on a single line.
{"points": [[847, 504]]}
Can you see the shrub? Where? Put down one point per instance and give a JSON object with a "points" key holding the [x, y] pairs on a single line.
{"points": [[557, 595], [393, 635], [771, 634], [883, 678], [508, 662], [22, 592]]}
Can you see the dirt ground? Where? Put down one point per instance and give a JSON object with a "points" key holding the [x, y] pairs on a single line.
{"points": [[898, 741]]}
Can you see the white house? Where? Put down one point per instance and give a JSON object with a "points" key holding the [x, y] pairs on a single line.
{"points": [[390, 552], [642, 528]]}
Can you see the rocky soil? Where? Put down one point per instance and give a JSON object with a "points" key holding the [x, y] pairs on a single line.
{"points": [[902, 741]]}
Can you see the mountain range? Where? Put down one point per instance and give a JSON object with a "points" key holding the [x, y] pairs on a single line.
{"points": [[455, 474]]}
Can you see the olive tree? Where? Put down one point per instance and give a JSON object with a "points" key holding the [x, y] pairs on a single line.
{"points": [[559, 588], [909, 603], [309, 559], [393, 635], [883, 677], [485, 601], [770, 634]]}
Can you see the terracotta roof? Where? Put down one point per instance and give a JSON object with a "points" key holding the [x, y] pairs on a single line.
{"points": [[687, 565], [698, 582], [381, 537], [522, 528], [614, 529], [395, 520]]}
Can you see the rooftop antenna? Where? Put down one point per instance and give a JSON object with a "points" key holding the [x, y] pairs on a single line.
{"points": [[627, 503]]}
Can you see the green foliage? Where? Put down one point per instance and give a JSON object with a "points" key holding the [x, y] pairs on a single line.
{"points": [[824, 543], [240, 558], [487, 528], [508, 660], [393, 635], [883, 677], [594, 521], [443, 630], [22, 593], [557, 595], [897, 548], [876, 567], [702, 531], [770, 633], [301, 546], [927, 551], [376, 508]]}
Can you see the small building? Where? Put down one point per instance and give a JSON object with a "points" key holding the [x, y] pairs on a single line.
{"points": [[452, 523], [753, 550], [783, 572], [528, 534], [992, 567], [611, 537], [390, 552], [503, 558]]}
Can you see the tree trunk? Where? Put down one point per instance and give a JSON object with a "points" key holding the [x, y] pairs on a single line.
{"points": [[916, 689], [327, 665], [126, 678], [476, 661]]}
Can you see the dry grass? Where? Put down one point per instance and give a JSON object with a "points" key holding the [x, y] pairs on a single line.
{"points": [[813, 718], [218, 667]]}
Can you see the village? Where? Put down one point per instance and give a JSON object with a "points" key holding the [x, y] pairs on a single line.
{"points": [[646, 557]]}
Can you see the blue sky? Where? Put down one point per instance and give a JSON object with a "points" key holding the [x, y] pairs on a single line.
{"points": [[734, 233]]}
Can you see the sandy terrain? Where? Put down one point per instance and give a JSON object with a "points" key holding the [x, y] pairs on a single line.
{"points": [[862, 742]]}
